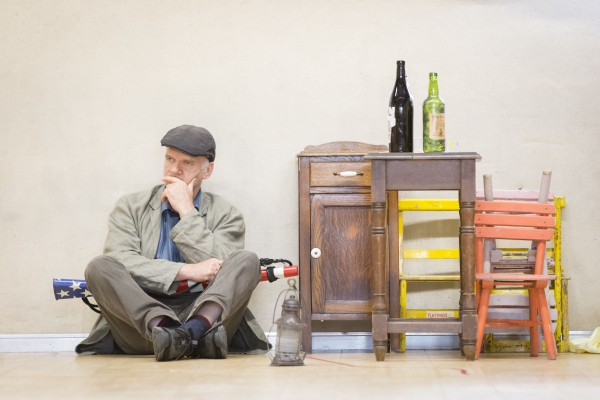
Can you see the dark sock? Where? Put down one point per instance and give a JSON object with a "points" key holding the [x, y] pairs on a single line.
{"points": [[198, 325], [167, 322]]}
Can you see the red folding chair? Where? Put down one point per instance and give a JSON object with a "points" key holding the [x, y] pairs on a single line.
{"points": [[515, 221]]}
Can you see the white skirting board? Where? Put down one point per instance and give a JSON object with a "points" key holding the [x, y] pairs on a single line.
{"points": [[42, 343], [322, 341]]}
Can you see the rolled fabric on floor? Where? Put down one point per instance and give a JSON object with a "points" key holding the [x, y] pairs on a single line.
{"points": [[77, 288], [271, 274]]}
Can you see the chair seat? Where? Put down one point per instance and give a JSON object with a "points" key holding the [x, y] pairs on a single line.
{"points": [[513, 277]]}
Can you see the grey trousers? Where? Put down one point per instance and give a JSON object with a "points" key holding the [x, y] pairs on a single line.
{"points": [[128, 309]]}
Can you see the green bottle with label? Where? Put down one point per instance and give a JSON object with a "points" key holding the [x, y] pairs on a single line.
{"points": [[434, 128]]}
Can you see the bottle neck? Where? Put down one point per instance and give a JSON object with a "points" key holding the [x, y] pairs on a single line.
{"points": [[400, 72], [433, 86]]}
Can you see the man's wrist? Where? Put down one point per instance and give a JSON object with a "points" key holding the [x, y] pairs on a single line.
{"points": [[184, 273], [185, 211]]}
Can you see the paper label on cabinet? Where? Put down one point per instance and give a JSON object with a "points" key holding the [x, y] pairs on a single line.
{"points": [[439, 314], [391, 121], [437, 126]]}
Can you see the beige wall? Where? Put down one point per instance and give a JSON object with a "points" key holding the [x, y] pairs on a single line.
{"points": [[88, 88]]}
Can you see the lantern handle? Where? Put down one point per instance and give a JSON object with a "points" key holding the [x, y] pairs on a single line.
{"points": [[292, 283]]}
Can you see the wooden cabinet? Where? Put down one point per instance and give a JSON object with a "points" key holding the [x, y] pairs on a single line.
{"points": [[335, 233], [341, 276]]}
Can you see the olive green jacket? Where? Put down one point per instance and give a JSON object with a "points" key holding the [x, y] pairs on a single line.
{"points": [[215, 231]]}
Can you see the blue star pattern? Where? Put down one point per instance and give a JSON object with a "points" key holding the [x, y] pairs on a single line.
{"points": [[70, 289]]}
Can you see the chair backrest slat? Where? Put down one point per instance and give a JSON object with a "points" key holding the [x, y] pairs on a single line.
{"points": [[515, 207], [513, 233], [522, 195], [515, 220]]}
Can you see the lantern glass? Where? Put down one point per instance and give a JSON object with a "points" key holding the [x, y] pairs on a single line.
{"points": [[288, 339]]}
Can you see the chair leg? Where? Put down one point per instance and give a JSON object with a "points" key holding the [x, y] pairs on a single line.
{"points": [[478, 289], [546, 324], [534, 332], [484, 303]]}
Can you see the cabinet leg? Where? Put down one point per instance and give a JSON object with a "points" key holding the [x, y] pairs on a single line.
{"points": [[395, 343], [469, 351], [468, 308], [380, 351]]}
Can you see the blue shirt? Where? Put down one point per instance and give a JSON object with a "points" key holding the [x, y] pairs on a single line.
{"points": [[167, 250]]}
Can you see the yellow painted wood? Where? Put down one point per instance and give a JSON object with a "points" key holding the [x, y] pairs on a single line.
{"points": [[403, 314], [559, 290], [430, 278], [562, 329], [402, 348], [508, 345], [414, 313], [428, 205], [519, 292], [411, 254]]}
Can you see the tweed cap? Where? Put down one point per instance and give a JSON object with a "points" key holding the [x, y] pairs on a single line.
{"points": [[191, 140]]}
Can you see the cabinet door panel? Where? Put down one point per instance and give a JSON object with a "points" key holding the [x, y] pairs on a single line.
{"points": [[341, 229]]}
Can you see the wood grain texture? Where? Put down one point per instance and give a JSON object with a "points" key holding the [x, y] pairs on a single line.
{"points": [[342, 148], [394, 267], [341, 317], [513, 233], [530, 195], [338, 190], [419, 325], [338, 158], [337, 286], [514, 277], [348, 306], [341, 227], [423, 156], [322, 174], [515, 207], [423, 175], [467, 181], [317, 209], [304, 251], [330, 375], [515, 220], [425, 172]]}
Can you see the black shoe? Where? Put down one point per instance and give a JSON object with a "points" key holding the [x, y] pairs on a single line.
{"points": [[213, 344], [171, 343]]}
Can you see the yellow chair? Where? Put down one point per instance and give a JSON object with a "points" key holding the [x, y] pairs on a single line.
{"points": [[559, 289]]}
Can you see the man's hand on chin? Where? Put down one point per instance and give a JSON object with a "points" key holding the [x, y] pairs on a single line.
{"points": [[179, 195]]}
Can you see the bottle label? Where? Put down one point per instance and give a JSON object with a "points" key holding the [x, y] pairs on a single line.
{"points": [[391, 121], [437, 126]]}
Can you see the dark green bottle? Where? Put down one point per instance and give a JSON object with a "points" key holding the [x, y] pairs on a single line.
{"points": [[434, 128], [400, 114]]}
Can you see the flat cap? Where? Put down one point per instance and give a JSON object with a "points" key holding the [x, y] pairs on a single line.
{"points": [[192, 140]]}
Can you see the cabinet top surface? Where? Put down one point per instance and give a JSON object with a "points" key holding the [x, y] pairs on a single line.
{"points": [[423, 156], [342, 149]]}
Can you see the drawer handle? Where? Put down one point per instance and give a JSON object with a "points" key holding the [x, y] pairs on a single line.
{"points": [[348, 173]]}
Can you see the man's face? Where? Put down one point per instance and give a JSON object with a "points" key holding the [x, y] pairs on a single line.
{"points": [[186, 167]]}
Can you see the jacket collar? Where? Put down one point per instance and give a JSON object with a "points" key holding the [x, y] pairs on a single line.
{"points": [[155, 202]]}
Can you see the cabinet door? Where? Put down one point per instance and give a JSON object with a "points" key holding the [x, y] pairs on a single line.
{"points": [[342, 275]]}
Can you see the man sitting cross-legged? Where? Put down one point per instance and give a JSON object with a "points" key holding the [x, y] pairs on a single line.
{"points": [[175, 232]]}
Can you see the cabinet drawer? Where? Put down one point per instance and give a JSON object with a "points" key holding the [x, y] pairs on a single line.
{"points": [[323, 174]]}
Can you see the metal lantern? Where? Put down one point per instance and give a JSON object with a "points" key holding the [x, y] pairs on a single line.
{"points": [[289, 330]]}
